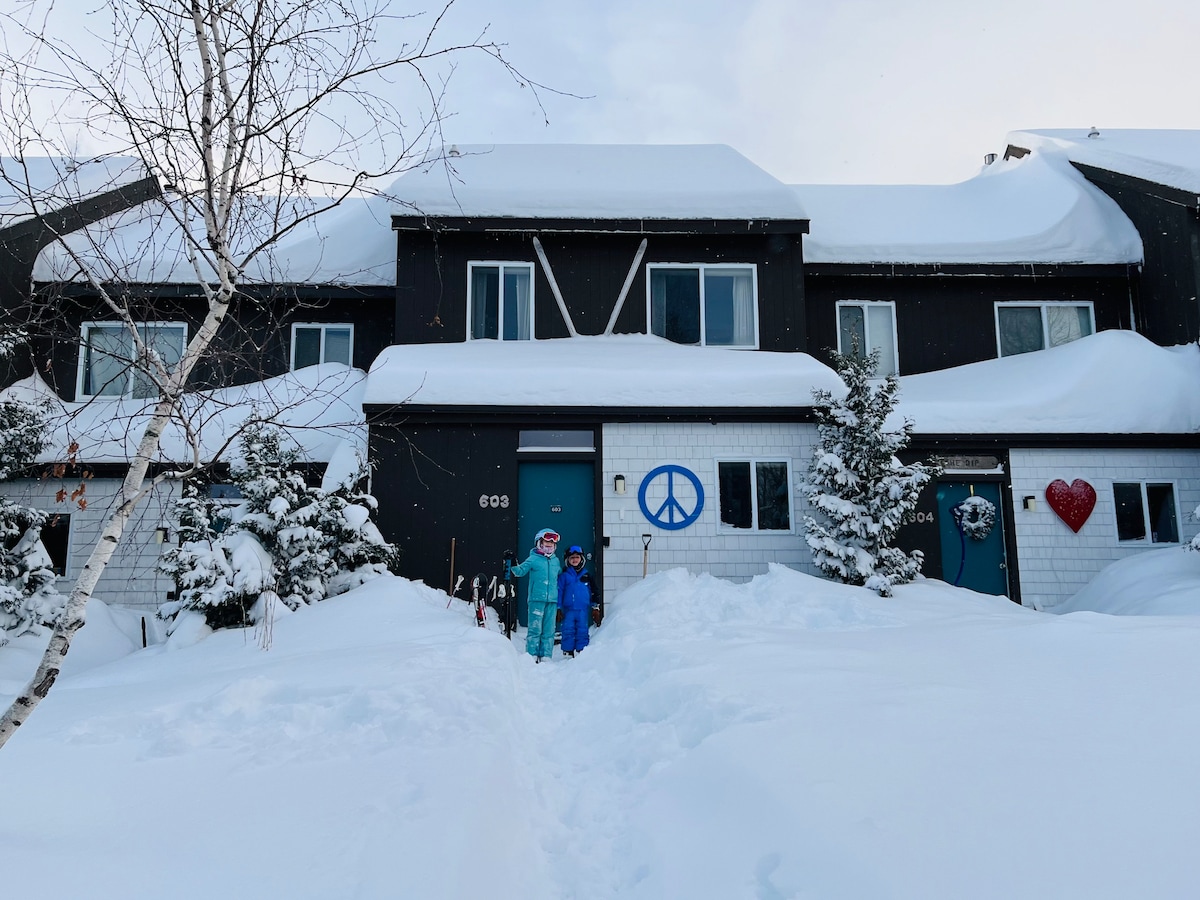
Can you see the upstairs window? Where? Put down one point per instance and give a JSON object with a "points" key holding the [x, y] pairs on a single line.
{"points": [[1146, 512], [313, 344], [755, 494], [868, 325], [1022, 327], [500, 301], [108, 365], [714, 306]]}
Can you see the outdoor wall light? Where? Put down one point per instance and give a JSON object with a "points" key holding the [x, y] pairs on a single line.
{"points": [[160, 535], [619, 484], [1029, 503]]}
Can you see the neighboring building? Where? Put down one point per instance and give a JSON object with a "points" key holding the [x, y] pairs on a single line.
{"points": [[1154, 176]]}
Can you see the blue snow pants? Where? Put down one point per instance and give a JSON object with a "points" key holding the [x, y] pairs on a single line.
{"points": [[575, 628], [539, 639]]}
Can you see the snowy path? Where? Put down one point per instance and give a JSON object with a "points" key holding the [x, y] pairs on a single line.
{"points": [[784, 740]]}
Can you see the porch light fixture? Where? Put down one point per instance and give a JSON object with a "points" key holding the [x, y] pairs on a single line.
{"points": [[619, 484], [160, 535], [1029, 503]]}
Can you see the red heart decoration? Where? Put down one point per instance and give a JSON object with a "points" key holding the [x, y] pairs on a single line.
{"points": [[1073, 503]]}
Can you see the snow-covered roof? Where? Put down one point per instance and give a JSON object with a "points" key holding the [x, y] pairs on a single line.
{"points": [[319, 408], [608, 371], [351, 244], [1169, 157], [595, 181], [1033, 210], [1113, 382], [36, 184]]}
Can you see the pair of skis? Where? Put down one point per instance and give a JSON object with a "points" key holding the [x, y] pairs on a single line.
{"points": [[500, 595]]}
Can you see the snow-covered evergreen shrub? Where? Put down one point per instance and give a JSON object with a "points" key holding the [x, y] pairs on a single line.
{"points": [[861, 491], [297, 542], [200, 565], [28, 596]]}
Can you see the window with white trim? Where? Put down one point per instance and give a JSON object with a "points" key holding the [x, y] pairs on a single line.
{"points": [[314, 343], [500, 301], [108, 365], [755, 494], [1026, 325], [711, 305], [1145, 512], [868, 325]]}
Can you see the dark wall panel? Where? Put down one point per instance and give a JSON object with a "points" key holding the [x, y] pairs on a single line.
{"points": [[950, 320], [429, 482]]}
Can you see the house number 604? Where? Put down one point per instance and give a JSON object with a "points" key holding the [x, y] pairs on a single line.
{"points": [[495, 501]]}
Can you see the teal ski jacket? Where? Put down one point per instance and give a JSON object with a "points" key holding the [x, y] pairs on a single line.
{"points": [[543, 574]]}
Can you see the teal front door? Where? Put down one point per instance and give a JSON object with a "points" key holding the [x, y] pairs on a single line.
{"points": [[557, 495], [968, 561]]}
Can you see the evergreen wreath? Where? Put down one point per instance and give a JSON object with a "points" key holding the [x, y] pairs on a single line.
{"points": [[975, 517]]}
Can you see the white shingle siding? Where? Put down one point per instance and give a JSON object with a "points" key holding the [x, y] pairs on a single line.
{"points": [[131, 578], [1054, 561], [633, 450]]}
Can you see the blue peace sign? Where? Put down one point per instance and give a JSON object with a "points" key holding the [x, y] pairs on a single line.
{"points": [[671, 515]]}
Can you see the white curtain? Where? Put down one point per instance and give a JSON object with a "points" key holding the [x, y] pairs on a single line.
{"points": [[519, 282], [1067, 323], [882, 337], [743, 309]]}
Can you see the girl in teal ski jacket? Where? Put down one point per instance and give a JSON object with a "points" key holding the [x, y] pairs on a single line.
{"points": [[543, 569]]}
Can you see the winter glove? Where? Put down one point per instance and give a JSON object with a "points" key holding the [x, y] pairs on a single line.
{"points": [[595, 615], [509, 556], [558, 617]]}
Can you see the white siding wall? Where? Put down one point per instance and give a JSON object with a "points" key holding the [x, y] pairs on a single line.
{"points": [[1054, 561], [131, 578], [633, 450]]}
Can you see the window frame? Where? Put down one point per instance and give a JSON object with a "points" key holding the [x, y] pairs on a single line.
{"points": [[755, 527], [864, 305], [701, 268], [53, 517], [1043, 306], [81, 372], [323, 326], [502, 265], [1147, 539]]}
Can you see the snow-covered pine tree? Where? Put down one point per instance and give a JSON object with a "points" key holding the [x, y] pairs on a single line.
{"points": [[200, 566], [861, 491], [28, 595], [281, 511], [359, 551]]}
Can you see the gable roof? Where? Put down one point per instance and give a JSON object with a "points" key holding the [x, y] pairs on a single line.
{"points": [[1170, 157], [595, 181], [1038, 209], [40, 184]]}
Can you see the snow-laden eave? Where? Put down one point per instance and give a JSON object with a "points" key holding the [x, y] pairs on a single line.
{"points": [[612, 373], [1038, 210], [1110, 386], [319, 409]]}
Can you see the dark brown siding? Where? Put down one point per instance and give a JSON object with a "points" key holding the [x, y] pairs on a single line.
{"points": [[949, 320], [590, 270]]}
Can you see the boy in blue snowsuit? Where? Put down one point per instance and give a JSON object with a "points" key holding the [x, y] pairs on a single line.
{"points": [[542, 567], [576, 600]]}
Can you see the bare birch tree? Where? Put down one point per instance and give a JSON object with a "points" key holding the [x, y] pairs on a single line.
{"points": [[256, 116]]}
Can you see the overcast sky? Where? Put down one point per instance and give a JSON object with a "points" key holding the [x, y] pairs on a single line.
{"points": [[854, 91], [842, 91]]}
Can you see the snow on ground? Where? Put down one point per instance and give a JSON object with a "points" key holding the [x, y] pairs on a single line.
{"points": [[784, 738]]}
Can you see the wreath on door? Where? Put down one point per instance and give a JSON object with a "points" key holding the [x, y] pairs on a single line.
{"points": [[975, 517]]}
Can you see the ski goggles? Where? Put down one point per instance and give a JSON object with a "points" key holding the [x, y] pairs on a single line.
{"points": [[574, 550], [548, 536]]}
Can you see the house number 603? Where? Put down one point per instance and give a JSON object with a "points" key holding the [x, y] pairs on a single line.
{"points": [[495, 501]]}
